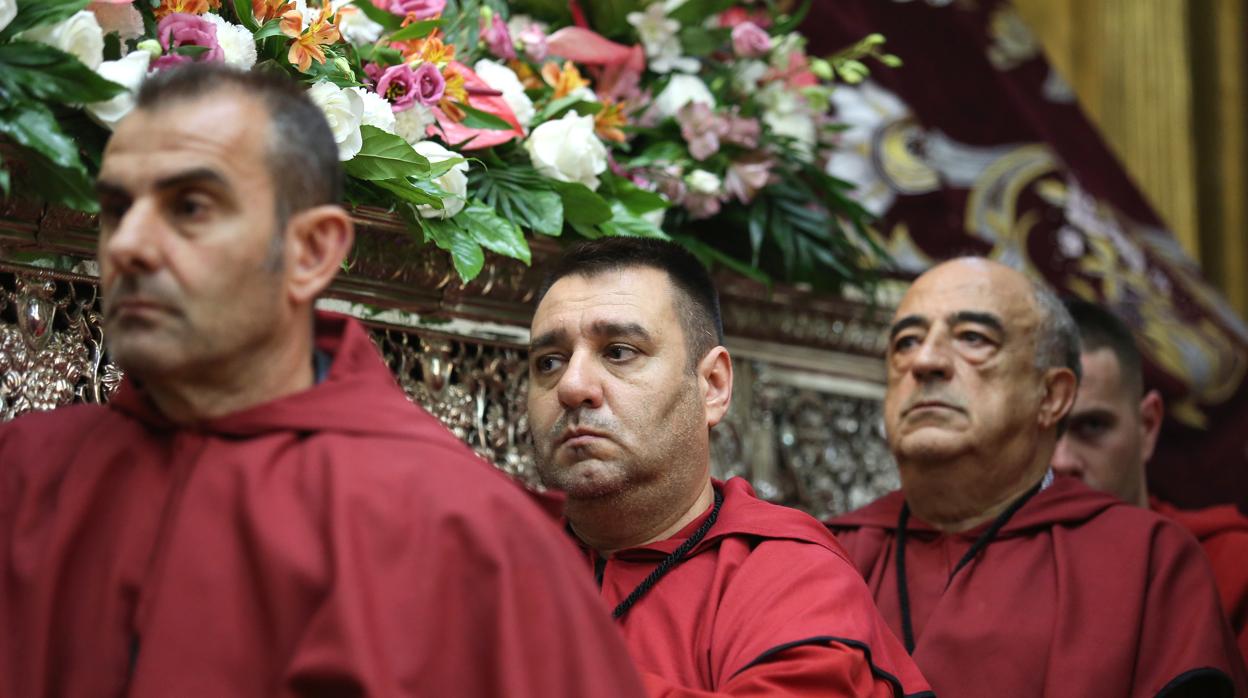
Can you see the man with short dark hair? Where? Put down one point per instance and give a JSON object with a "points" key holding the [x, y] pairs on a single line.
{"points": [[717, 592], [1002, 579], [1113, 428], [259, 511]]}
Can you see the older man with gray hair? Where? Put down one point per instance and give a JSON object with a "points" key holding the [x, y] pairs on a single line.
{"points": [[1002, 579]]}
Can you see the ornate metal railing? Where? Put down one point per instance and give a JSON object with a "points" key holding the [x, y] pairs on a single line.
{"points": [[804, 427]]}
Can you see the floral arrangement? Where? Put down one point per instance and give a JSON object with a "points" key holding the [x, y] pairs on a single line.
{"points": [[480, 122]]}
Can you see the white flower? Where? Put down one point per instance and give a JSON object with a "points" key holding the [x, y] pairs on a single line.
{"points": [[567, 150], [8, 10], [659, 35], [355, 26], [681, 90], [784, 46], [865, 110], [503, 79], [129, 72], [412, 124], [79, 35], [454, 182], [344, 110], [237, 42], [747, 74], [377, 111], [787, 113], [703, 182]]}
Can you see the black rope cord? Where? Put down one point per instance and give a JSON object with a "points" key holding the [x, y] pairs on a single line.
{"points": [[669, 563], [903, 592]]}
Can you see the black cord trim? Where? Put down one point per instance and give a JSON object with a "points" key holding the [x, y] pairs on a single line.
{"points": [[898, 689], [989, 534], [669, 563], [1180, 681]]}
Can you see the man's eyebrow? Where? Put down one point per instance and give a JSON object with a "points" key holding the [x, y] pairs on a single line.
{"points": [[547, 339], [906, 323], [197, 175], [608, 328], [989, 320]]}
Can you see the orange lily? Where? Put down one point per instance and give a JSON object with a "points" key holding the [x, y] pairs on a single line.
{"points": [[307, 43], [609, 119], [266, 10], [527, 77], [565, 81], [431, 49], [455, 91], [190, 7]]}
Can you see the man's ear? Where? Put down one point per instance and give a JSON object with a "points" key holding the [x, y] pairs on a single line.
{"points": [[317, 241], [1152, 412], [1060, 386], [715, 379]]}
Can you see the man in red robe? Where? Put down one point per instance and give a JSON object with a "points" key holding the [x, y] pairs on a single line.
{"points": [[259, 511], [717, 592], [1109, 441], [1002, 579]]}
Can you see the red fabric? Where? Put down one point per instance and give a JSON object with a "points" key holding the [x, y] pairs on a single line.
{"points": [[335, 542], [1080, 595], [1223, 533], [766, 605]]}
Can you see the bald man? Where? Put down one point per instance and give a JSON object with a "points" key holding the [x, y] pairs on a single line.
{"points": [[1113, 428], [1002, 579]]}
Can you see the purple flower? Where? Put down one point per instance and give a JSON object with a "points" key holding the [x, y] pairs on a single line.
{"points": [[496, 37], [749, 40], [429, 84], [419, 9], [701, 129], [180, 29]]}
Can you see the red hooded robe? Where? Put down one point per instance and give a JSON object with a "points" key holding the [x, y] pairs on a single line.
{"points": [[338, 541], [767, 604], [1223, 533], [1079, 596]]}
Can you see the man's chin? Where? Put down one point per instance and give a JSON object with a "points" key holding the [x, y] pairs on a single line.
{"points": [[588, 479]]}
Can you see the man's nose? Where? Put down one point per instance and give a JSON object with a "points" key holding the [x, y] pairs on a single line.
{"points": [[580, 385], [1065, 460], [131, 246], [932, 360]]}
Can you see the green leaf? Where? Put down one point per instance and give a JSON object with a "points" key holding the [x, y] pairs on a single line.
{"points": [[709, 254], [388, 20], [5, 181], [610, 16], [192, 51], [31, 124], [379, 54], [625, 223], [634, 198], [475, 118], [415, 30], [385, 156], [545, 215], [700, 41], [63, 185], [494, 233], [48, 74], [36, 13], [244, 15], [695, 11], [661, 153], [413, 192], [580, 205], [466, 254], [273, 27], [556, 108]]}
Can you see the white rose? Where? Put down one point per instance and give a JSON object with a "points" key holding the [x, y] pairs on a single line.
{"points": [[747, 74], [80, 36], [8, 10], [454, 182], [503, 79], [237, 42], [355, 26], [787, 113], [703, 182], [681, 90], [344, 110], [412, 125], [377, 111], [129, 72], [567, 150]]}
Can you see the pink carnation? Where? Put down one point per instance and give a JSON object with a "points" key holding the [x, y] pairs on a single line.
{"points": [[405, 87], [749, 40], [180, 29], [496, 37], [418, 9], [430, 85]]}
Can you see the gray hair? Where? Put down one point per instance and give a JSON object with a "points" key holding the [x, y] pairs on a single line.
{"points": [[1057, 337]]}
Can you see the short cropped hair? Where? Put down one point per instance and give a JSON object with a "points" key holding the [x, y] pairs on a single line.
{"points": [[696, 301], [1099, 329], [302, 157], [1057, 338]]}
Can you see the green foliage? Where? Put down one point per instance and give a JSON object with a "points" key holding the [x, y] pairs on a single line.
{"points": [[416, 30], [388, 20], [475, 118], [36, 13], [520, 195], [386, 156], [37, 72]]}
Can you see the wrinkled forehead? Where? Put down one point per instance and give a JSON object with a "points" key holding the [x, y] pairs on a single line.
{"points": [[639, 295], [973, 287]]}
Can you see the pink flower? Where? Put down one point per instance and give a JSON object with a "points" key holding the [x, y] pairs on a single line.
{"points": [[746, 177], [749, 40], [533, 39], [496, 37], [373, 72], [733, 16], [417, 9], [742, 131], [398, 85], [701, 129], [701, 205], [180, 29], [429, 84]]}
